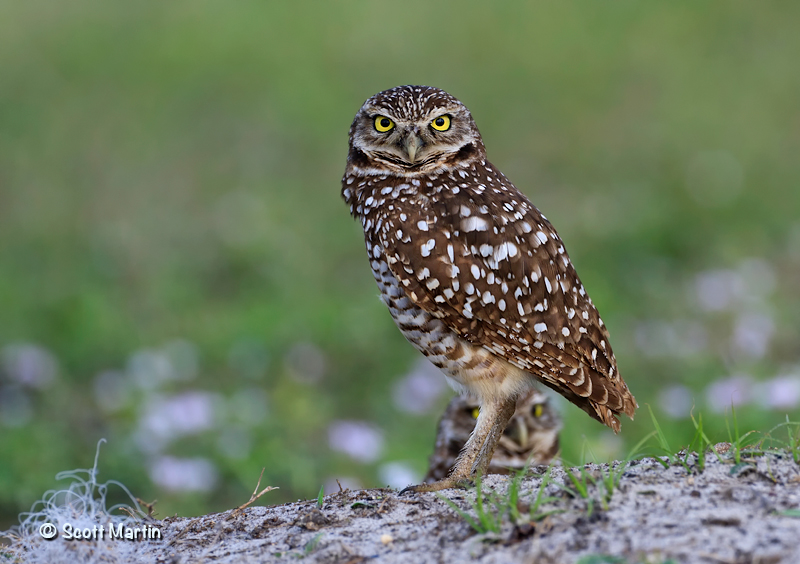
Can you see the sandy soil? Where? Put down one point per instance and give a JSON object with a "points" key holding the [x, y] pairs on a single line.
{"points": [[746, 513]]}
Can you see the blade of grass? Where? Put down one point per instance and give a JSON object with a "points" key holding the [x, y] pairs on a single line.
{"points": [[662, 439], [535, 514], [463, 514]]}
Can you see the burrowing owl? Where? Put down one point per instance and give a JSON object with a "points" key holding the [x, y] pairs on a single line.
{"points": [[473, 274], [532, 433]]}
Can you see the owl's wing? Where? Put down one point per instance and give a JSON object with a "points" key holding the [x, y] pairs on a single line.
{"points": [[493, 269]]}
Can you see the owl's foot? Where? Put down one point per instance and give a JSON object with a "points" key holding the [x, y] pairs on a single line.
{"points": [[478, 451], [446, 484]]}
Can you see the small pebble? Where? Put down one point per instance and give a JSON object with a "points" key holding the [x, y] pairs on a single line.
{"points": [[386, 539], [722, 448]]}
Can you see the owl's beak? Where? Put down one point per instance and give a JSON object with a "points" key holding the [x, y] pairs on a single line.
{"points": [[412, 144]]}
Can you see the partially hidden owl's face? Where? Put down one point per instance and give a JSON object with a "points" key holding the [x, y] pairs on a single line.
{"points": [[409, 130], [530, 437]]}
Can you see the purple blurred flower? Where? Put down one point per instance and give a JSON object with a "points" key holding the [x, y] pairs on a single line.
{"points": [[734, 391], [183, 474], [167, 418], [358, 439], [398, 475], [679, 338], [782, 392], [717, 290], [752, 334], [29, 365], [732, 289], [676, 401], [418, 391], [346, 482]]}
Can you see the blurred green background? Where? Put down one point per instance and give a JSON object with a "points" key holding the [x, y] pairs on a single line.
{"points": [[179, 275]]}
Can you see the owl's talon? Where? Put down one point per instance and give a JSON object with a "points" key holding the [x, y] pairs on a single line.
{"points": [[446, 484]]}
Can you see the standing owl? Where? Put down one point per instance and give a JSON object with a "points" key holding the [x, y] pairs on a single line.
{"points": [[473, 274], [530, 437]]}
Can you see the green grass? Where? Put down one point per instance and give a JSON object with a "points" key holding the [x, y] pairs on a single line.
{"points": [[488, 511], [491, 508], [793, 443], [311, 545], [320, 497], [169, 172], [601, 559], [600, 488], [536, 511]]}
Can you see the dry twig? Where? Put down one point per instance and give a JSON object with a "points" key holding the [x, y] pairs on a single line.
{"points": [[253, 497]]}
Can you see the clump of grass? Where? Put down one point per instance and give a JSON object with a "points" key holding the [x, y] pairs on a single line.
{"points": [[535, 513], [699, 445], [794, 439], [609, 479], [491, 508], [311, 545], [581, 481], [743, 446], [601, 559], [738, 441], [321, 496], [664, 447]]}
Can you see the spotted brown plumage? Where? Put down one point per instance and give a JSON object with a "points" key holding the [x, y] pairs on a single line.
{"points": [[473, 274]]}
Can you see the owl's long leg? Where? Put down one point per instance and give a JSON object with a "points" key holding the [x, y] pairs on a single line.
{"points": [[477, 453]]}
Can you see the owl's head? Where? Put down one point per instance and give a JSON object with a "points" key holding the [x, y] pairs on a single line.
{"points": [[408, 130]]}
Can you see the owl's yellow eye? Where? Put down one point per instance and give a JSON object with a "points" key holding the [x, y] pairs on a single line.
{"points": [[441, 123], [538, 410], [475, 412], [383, 124]]}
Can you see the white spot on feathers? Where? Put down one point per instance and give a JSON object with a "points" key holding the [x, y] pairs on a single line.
{"points": [[474, 223], [425, 248]]}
